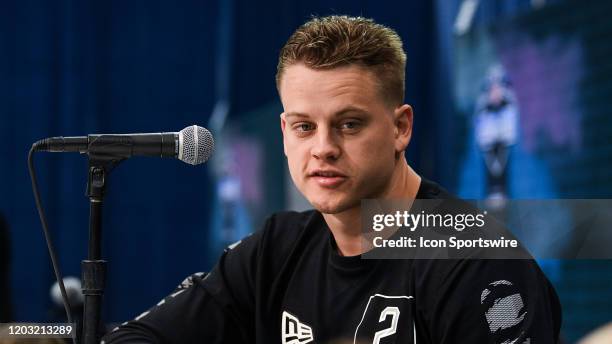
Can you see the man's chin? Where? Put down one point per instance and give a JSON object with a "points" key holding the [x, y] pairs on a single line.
{"points": [[328, 210], [333, 208]]}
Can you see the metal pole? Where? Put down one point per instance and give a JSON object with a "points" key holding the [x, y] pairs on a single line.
{"points": [[94, 269]]}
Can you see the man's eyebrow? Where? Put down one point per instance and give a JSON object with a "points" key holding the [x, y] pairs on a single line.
{"points": [[346, 111], [350, 110], [295, 114]]}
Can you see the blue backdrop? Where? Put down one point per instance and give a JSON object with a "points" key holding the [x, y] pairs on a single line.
{"points": [[78, 67]]}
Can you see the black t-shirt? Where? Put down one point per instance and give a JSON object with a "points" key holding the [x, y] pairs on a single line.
{"points": [[288, 284]]}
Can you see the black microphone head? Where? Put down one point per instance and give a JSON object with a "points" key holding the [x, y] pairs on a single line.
{"points": [[196, 145]]}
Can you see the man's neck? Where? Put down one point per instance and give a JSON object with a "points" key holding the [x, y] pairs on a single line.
{"points": [[346, 226]]}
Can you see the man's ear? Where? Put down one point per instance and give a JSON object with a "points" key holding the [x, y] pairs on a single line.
{"points": [[283, 123], [403, 127]]}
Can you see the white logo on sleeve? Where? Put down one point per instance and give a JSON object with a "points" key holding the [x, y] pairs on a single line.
{"points": [[505, 312], [295, 332]]}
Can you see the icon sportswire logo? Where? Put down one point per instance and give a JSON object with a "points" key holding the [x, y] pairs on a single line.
{"points": [[295, 332]]}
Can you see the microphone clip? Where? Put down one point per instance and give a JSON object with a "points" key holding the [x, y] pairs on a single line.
{"points": [[99, 167], [105, 152]]}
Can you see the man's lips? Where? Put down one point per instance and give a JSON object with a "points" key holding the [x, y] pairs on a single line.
{"points": [[327, 178]]}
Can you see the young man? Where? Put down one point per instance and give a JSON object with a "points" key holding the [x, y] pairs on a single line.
{"points": [[301, 278]]}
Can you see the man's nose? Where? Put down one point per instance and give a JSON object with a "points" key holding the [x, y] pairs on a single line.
{"points": [[325, 145]]}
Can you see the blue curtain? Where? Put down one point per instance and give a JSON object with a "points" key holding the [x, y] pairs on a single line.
{"points": [[76, 67]]}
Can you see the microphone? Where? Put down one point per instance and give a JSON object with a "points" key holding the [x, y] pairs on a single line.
{"points": [[193, 145]]}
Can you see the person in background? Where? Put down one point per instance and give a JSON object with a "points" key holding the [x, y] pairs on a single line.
{"points": [[496, 125]]}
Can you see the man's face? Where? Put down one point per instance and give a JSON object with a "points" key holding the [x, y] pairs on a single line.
{"points": [[340, 135]]}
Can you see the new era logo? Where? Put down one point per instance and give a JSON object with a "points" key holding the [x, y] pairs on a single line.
{"points": [[295, 332]]}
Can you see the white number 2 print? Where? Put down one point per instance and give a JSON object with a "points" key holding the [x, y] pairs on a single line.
{"points": [[381, 322], [394, 312]]}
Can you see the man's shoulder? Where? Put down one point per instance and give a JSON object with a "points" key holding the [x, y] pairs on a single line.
{"points": [[475, 267], [293, 218], [431, 190], [281, 230], [291, 223]]}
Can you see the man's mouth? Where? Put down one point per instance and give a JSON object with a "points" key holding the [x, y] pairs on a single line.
{"points": [[328, 178]]}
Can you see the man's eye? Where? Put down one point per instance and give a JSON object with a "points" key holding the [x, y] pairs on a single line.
{"points": [[303, 127], [350, 125]]}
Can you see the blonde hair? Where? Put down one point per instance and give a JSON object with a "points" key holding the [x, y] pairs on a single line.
{"points": [[335, 41]]}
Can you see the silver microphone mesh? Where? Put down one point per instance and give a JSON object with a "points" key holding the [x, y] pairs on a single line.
{"points": [[196, 145]]}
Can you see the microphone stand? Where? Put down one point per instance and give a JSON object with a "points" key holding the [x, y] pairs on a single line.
{"points": [[93, 269]]}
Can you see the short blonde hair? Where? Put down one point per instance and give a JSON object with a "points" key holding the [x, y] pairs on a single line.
{"points": [[335, 41]]}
